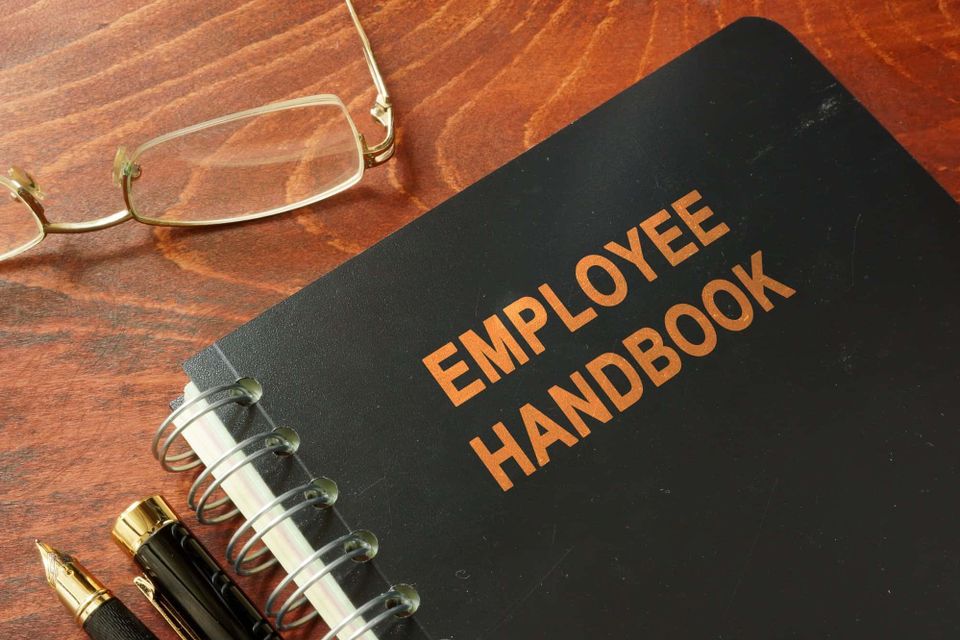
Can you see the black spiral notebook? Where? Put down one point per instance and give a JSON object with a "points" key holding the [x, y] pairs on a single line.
{"points": [[688, 368]]}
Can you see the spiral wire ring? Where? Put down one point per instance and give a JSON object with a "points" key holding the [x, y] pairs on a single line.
{"points": [[245, 391], [401, 601], [319, 492], [357, 545], [275, 442]]}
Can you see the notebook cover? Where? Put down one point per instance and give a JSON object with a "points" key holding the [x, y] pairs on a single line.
{"points": [[799, 478]]}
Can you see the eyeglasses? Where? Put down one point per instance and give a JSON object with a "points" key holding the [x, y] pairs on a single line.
{"points": [[243, 166]]}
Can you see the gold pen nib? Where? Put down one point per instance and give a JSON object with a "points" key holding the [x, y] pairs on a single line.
{"points": [[79, 591], [52, 559]]}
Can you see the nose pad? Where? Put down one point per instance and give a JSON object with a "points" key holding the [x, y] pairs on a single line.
{"points": [[26, 181], [122, 167]]}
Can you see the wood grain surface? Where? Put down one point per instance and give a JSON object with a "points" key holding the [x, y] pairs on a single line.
{"points": [[93, 328]]}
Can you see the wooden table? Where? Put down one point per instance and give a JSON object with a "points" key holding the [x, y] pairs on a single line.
{"points": [[93, 327]]}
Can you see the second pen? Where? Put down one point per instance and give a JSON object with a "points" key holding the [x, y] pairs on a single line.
{"points": [[182, 579]]}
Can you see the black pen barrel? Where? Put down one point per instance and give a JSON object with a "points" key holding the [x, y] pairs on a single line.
{"points": [[113, 621], [208, 599], [182, 578]]}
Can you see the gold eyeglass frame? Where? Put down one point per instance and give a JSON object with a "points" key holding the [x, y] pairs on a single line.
{"points": [[24, 188]]}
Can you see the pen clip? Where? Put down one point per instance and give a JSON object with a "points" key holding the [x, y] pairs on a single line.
{"points": [[149, 592]]}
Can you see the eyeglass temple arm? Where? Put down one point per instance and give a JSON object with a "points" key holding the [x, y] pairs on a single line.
{"points": [[382, 110]]}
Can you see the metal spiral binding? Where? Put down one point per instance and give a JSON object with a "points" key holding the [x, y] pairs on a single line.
{"points": [[319, 492], [360, 546], [245, 391], [400, 601], [282, 441]]}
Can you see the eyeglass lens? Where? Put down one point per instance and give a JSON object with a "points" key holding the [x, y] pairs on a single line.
{"points": [[247, 167]]}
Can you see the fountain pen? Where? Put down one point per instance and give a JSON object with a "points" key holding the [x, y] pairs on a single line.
{"points": [[98, 613]]}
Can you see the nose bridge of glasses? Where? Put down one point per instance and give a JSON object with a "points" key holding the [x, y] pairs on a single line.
{"points": [[22, 186]]}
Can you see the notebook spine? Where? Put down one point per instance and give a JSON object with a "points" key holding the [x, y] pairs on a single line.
{"points": [[399, 601]]}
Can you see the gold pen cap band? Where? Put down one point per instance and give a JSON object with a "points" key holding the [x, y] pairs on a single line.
{"points": [[140, 521]]}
